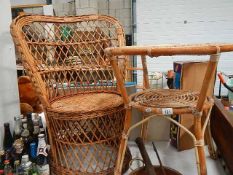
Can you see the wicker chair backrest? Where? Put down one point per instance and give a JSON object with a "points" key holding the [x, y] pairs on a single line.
{"points": [[65, 55]]}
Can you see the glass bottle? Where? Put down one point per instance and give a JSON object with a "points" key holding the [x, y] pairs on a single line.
{"points": [[36, 132], [42, 156], [33, 152], [7, 168], [16, 167], [33, 116], [30, 124], [25, 136], [18, 146], [17, 128], [8, 156], [26, 164], [33, 170], [1, 162], [8, 139]]}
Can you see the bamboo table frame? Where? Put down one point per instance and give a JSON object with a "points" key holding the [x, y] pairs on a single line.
{"points": [[213, 50]]}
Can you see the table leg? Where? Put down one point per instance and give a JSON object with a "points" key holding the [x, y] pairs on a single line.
{"points": [[200, 144]]}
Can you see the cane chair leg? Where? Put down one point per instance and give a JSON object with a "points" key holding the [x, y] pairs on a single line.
{"points": [[121, 155], [144, 128], [209, 140], [199, 134], [201, 155], [123, 143], [210, 143]]}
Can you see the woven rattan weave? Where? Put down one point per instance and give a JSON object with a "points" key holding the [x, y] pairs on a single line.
{"points": [[64, 56], [164, 98]]}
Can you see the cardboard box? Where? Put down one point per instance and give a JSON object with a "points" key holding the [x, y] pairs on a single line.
{"points": [[188, 76]]}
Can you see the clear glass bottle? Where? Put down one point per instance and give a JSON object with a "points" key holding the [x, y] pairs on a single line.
{"points": [[25, 136], [17, 128], [36, 132], [26, 164], [16, 167], [42, 156], [33, 170], [8, 139]]}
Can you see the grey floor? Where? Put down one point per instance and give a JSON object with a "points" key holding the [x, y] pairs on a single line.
{"points": [[183, 161]]}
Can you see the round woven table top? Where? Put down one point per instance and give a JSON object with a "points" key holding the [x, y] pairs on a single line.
{"points": [[165, 98], [87, 102]]}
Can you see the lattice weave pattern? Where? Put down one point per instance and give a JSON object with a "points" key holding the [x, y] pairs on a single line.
{"points": [[68, 53], [87, 145], [164, 98], [65, 59]]}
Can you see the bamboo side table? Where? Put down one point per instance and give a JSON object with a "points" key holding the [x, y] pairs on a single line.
{"points": [[166, 102]]}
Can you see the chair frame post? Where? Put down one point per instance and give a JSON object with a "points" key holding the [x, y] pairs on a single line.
{"points": [[198, 130]]}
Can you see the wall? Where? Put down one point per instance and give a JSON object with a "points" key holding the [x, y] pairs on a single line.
{"points": [[9, 102], [120, 9], [64, 7], [23, 2], [180, 21]]}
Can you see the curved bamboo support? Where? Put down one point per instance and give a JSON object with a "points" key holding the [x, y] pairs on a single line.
{"points": [[197, 143]]}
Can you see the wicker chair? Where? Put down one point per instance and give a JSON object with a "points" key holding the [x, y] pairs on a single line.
{"points": [[64, 56], [165, 102]]}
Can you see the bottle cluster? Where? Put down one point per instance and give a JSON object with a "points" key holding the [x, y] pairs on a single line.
{"points": [[26, 152]]}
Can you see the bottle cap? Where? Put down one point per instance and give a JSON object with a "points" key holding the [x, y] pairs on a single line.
{"points": [[33, 144], [25, 125], [2, 153], [40, 135], [6, 161], [6, 124], [17, 162], [36, 130], [24, 120], [25, 158], [29, 114], [36, 127], [36, 122]]}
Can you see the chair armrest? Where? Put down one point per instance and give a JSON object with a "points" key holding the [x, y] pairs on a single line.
{"points": [[168, 50]]}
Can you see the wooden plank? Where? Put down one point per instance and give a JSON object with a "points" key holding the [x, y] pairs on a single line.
{"points": [[222, 131]]}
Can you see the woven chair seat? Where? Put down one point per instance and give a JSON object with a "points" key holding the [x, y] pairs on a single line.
{"points": [[87, 102], [166, 98]]}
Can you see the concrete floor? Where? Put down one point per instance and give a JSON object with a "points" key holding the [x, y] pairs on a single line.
{"points": [[183, 161]]}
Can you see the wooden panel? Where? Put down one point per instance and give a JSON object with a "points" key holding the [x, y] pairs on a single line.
{"points": [[222, 131]]}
